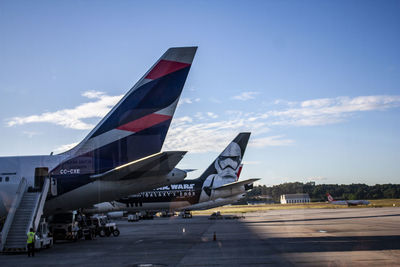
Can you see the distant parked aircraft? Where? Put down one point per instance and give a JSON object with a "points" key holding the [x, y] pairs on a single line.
{"points": [[346, 202]]}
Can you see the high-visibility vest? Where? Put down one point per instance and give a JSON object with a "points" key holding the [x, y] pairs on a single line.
{"points": [[31, 237]]}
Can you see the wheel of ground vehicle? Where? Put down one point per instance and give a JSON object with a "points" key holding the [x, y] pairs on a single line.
{"points": [[102, 233], [108, 232], [115, 232]]}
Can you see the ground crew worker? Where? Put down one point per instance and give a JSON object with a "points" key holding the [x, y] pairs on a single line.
{"points": [[31, 243]]}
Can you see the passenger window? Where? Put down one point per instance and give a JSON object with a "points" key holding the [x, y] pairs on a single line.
{"points": [[1, 179], [7, 179]]}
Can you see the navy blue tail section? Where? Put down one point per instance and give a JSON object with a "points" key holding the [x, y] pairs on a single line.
{"points": [[137, 126]]}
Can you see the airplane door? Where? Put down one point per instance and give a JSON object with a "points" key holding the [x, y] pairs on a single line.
{"points": [[40, 174], [53, 186]]}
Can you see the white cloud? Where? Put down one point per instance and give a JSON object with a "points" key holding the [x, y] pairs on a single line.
{"points": [[64, 148], [212, 115], [270, 141], [199, 115], [214, 100], [330, 110], [245, 96], [199, 135], [73, 118], [188, 100], [203, 132], [316, 178], [92, 94], [284, 102], [30, 134]]}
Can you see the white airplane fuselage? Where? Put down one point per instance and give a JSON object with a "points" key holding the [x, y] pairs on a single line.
{"points": [[15, 168], [172, 200]]}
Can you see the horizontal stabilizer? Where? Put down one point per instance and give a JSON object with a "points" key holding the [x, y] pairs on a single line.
{"points": [[189, 170], [237, 184], [154, 165]]}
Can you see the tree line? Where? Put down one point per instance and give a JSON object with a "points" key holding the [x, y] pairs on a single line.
{"points": [[318, 192]]}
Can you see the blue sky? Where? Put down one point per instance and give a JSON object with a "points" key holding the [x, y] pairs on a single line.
{"points": [[316, 82]]}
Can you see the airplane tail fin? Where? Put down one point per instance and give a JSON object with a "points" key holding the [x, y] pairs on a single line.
{"points": [[137, 126], [239, 171], [330, 198], [228, 163]]}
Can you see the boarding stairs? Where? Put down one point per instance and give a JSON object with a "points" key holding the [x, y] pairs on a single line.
{"points": [[25, 213]]}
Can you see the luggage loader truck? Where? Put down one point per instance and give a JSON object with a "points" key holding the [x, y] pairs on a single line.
{"points": [[68, 226], [43, 238], [63, 227]]}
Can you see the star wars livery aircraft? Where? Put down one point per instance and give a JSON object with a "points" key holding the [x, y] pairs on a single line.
{"points": [[121, 155], [217, 186], [346, 202]]}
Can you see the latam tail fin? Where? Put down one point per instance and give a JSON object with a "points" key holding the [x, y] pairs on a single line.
{"points": [[137, 126], [330, 198], [229, 161]]}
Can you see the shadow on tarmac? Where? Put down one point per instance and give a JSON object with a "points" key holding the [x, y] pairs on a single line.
{"points": [[325, 219], [331, 244]]}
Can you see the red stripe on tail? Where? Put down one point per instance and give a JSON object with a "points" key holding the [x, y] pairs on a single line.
{"points": [[239, 171], [144, 122], [165, 67]]}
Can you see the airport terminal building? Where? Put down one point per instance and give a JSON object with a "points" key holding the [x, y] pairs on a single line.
{"points": [[295, 198]]}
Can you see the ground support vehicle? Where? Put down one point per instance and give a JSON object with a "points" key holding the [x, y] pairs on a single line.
{"points": [[104, 227], [133, 218], [72, 226], [43, 237], [146, 215], [86, 228], [167, 213], [216, 216], [186, 214], [64, 227]]}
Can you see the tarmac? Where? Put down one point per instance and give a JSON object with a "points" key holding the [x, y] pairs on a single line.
{"points": [[301, 237]]}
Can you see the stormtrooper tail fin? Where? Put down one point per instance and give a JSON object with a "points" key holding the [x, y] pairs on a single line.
{"points": [[231, 156]]}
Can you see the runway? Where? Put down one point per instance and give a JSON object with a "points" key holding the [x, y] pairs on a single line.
{"points": [[304, 237]]}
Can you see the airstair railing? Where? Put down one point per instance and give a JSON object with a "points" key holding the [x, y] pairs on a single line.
{"points": [[38, 211], [14, 206]]}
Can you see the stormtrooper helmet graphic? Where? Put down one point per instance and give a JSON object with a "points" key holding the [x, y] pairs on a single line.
{"points": [[228, 161]]}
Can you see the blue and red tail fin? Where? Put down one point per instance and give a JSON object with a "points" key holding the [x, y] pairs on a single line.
{"points": [[137, 126], [330, 198]]}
